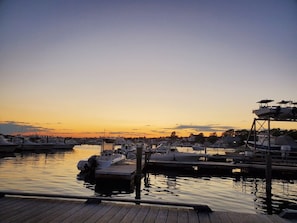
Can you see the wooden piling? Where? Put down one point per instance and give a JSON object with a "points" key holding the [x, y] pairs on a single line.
{"points": [[138, 171]]}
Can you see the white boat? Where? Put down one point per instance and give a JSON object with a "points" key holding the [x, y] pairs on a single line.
{"points": [[6, 146], [286, 110], [63, 144], [283, 111], [198, 146], [28, 145], [282, 143], [264, 110], [171, 153], [106, 158]]}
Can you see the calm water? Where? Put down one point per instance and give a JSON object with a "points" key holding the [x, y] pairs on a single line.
{"points": [[56, 173]]}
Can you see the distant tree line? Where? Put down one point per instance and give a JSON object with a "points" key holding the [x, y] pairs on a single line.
{"points": [[240, 135]]}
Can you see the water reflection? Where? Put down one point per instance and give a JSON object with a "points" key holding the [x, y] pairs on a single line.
{"points": [[239, 193], [56, 173]]}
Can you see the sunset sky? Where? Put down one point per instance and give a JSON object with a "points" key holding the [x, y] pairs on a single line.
{"points": [[143, 68]]}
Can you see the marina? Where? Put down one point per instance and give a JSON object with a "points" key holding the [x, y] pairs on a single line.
{"points": [[56, 173]]}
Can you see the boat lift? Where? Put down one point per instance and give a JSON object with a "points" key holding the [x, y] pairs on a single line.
{"points": [[263, 124]]}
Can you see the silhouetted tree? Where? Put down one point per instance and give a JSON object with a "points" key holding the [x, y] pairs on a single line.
{"points": [[200, 138], [213, 137]]}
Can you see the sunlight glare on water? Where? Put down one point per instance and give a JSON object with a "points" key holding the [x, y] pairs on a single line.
{"points": [[56, 173]]}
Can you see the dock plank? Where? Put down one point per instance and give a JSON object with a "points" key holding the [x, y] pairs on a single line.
{"points": [[221, 216], [215, 218], [172, 216], [117, 217], [193, 216], [54, 212], [204, 218], [61, 216], [141, 215], [182, 216], [61, 210], [152, 215], [162, 215], [29, 209], [100, 211], [110, 213], [131, 214]]}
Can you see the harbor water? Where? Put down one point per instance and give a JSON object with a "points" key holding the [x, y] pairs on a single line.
{"points": [[56, 173]]}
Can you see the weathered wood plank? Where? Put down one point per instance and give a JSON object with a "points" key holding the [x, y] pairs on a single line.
{"points": [[110, 213], [193, 216], [9, 204], [215, 218], [172, 215], [81, 214], [222, 216], [162, 215], [53, 210], [117, 217], [30, 208], [58, 211], [246, 218], [277, 219], [182, 216], [141, 215], [100, 211], [204, 218], [152, 215], [131, 214], [62, 215]]}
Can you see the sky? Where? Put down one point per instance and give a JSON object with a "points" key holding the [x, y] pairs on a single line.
{"points": [[143, 68]]}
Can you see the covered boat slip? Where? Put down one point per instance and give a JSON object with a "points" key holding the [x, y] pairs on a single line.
{"points": [[32, 209]]}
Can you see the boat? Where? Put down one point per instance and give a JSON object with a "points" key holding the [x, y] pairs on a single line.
{"points": [[265, 110], [7, 146], [66, 144], [283, 143], [107, 157], [28, 144], [198, 146], [171, 153], [285, 110]]}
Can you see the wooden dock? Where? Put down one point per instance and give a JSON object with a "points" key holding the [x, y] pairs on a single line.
{"points": [[220, 165], [57, 209]]}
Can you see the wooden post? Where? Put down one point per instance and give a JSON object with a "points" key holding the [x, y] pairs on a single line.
{"points": [[138, 172], [268, 174]]}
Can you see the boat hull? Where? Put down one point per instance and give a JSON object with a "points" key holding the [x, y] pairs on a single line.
{"points": [[8, 148]]}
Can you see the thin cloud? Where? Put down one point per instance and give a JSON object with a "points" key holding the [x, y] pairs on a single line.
{"points": [[204, 128], [11, 127]]}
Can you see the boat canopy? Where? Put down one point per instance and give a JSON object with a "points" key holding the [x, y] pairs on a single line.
{"points": [[264, 101], [283, 102]]}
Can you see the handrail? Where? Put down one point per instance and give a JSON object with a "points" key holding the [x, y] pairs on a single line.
{"points": [[94, 200]]}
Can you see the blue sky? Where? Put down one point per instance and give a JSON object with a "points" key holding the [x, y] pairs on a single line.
{"points": [[136, 67]]}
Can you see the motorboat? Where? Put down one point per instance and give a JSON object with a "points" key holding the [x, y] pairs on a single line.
{"points": [[285, 110], [198, 147], [265, 110], [28, 145], [282, 143], [171, 153], [7, 146], [64, 144], [107, 157]]}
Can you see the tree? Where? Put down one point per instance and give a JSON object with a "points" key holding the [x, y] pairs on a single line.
{"points": [[200, 138], [213, 137]]}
